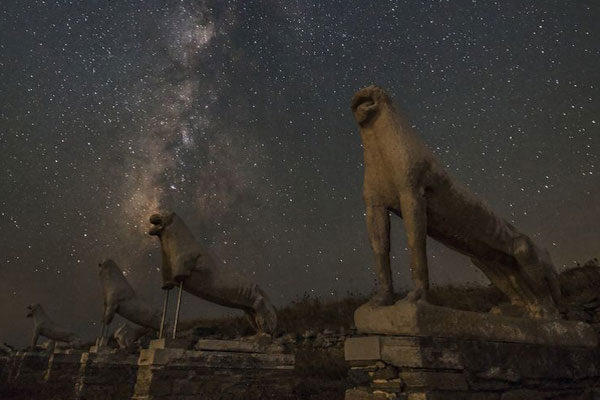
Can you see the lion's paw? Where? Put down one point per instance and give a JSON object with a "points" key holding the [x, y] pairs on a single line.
{"points": [[416, 295]]}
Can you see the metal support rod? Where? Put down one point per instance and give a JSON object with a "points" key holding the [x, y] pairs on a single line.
{"points": [[177, 310], [164, 314]]}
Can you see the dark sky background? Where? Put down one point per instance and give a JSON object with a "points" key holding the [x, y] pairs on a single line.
{"points": [[236, 115]]}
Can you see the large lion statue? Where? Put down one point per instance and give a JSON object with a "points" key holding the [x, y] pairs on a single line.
{"points": [[402, 176], [43, 326], [185, 260], [120, 298]]}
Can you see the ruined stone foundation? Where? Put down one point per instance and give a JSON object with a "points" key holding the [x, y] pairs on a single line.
{"points": [[442, 354], [222, 372]]}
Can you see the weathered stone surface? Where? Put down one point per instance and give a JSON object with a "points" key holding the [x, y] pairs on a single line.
{"points": [[172, 373], [448, 368], [364, 348], [420, 352], [101, 346], [388, 385], [365, 394], [361, 376], [387, 372], [28, 370], [453, 396], [169, 343], [434, 380], [526, 394], [215, 359], [62, 375], [240, 346], [106, 376], [422, 319]]}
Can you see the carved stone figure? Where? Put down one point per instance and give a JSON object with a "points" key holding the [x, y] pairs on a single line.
{"points": [[402, 176], [127, 335], [185, 260], [43, 326], [120, 298]]}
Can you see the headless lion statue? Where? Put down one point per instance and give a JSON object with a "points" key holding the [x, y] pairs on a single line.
{"points": [[120, 298], [184, 260], [43, 326], [403, 176]]}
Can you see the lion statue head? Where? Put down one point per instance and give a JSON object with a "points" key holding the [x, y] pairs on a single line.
{"points": [[368, 102], [31, 309]]}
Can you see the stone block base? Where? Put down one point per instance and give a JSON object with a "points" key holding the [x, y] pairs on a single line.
{"points": [[421, 368], [106, 375], [61, 375], [23, 374], [427, 320], [180, 374]]}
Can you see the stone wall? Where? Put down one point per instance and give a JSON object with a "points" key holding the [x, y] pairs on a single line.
{"points": [[106, 376], [23, 375], [61, 375], [186, 374], [165, 373], [420, 368]]}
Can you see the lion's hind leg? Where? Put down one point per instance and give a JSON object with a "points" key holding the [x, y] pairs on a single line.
{"points": [[251, 317], [265, 314], [539, 277], [500, 277]]}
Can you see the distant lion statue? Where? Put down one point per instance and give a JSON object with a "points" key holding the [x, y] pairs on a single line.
{"points": [[185, 260], [120, 298], [43, 326], [404, 177]]}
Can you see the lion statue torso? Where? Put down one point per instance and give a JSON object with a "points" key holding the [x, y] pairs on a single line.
{"points": [[185, 260], [44, 326], [120, 297]]}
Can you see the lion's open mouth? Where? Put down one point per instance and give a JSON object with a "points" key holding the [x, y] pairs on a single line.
{"points": [[364, 108], [362, 101], [157, 224]]}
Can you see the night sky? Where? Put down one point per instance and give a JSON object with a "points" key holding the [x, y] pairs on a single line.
{"points": [[236, 115]]}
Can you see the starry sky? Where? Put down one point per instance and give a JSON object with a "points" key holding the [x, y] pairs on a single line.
{"points": [[236, 115]]}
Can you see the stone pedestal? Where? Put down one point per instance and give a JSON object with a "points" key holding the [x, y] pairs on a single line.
{"points": [[176, 373], [450, 354], [100, 346], [106, 375], [62, 374], [169, 343], [426, 320]]}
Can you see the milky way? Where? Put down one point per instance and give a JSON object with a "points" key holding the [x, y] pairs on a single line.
{"points": [[236, 116]]}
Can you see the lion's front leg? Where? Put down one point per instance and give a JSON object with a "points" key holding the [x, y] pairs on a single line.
{"points": [[378, 227], [35, 338], [109, 313], [414, 213]]}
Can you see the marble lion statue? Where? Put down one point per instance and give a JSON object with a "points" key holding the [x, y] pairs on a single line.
{"points": [[120, 298], [185, 260], [402, 176], [43, 326]]}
